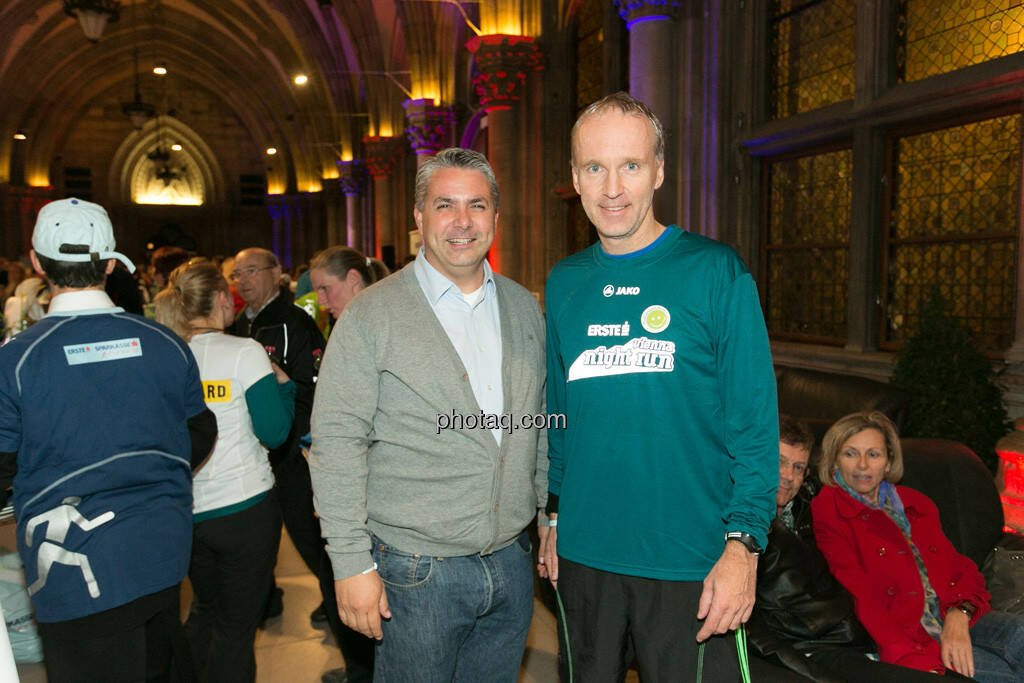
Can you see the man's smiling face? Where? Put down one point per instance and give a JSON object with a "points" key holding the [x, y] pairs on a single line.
{"points": [[457, 224]]}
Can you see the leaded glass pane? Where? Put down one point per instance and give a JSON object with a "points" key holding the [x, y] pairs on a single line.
{"points": [[953, 226], [807, 246], [937, 36], [812, 54]]}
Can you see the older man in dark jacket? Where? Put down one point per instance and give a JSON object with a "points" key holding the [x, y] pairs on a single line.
{"points": [[294, 342]]}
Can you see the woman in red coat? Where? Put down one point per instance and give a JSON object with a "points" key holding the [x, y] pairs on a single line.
{"points": [[924, 604]]}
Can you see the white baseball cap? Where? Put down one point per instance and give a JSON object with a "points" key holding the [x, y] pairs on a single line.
{"points": [[76, 230]]}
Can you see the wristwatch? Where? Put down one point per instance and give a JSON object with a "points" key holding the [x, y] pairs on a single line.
{"points": [[967, 607], [748, 541]]}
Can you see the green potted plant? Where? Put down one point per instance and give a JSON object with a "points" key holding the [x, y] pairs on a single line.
{"points": [[951, 385]]}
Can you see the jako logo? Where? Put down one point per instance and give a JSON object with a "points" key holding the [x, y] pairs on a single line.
{"points": [[611, 290]]}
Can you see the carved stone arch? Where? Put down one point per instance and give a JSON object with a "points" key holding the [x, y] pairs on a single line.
{"points": [[132, 177]]}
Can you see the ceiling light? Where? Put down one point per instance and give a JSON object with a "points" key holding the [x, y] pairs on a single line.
{"points": [[160, 69], [176, 147], [20, 135], [271, 151], [138, 111], [93, 15], [301, 79]]}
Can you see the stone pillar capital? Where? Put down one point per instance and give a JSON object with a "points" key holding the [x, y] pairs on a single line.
{"points": [[502, 62], [381, 154], [427, 126], [352, 177], [638, 11]]}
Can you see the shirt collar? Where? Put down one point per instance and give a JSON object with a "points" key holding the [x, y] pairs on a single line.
{"points": [[251, 314], [435, 285], [80, 300]]}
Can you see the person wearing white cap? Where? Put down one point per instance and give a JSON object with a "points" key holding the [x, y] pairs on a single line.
{"points": [[102, 415]]}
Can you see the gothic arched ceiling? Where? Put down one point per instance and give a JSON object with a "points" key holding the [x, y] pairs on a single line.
{"points": [[246, 52]]}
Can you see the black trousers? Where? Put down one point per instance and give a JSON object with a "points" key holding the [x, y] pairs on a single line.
{"points": [[233, 561], [295, 495], [139, 641], [613, 617]]}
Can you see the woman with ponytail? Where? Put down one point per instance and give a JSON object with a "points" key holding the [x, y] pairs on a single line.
{"points": [[338, 274], [236, 518]]}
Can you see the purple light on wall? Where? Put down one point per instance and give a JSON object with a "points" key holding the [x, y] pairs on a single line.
{"points": [[469, 134], [639, 20], [275, 227]]}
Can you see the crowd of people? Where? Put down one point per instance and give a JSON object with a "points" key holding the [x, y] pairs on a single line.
{"points": [[169, 430]]}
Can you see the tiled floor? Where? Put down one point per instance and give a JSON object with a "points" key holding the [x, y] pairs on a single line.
{"points": [[289, 650]]}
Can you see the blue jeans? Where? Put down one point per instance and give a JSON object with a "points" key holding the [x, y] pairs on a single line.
{"points": [[462, 619], [998, 644]]}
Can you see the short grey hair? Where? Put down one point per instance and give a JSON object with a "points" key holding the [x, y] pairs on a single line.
{"points": [[629, 105], [454, 157]]}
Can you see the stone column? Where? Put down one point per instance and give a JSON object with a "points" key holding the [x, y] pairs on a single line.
{"points": [[333, 220], [428, 127], [503, 63], [352, 181], [656, 80], [383, 156]]}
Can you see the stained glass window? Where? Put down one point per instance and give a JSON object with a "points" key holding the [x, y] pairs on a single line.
{"points": [[807, 246], [812, 54], [937, 36], [953, 220]]}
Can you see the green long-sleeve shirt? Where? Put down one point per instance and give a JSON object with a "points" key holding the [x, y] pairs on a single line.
{"points": [[660, 361]]}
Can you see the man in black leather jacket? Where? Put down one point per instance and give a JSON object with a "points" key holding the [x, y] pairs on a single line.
{"points": [[804, 626]]}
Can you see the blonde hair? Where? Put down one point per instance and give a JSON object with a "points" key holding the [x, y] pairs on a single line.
{"points": [[845, 428], [191, 293], [625, 104]]}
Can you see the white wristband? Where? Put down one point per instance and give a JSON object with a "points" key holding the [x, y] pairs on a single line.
{"points": [[371, 569], [552, 522]]}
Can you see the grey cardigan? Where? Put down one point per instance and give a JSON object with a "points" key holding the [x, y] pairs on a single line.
{"points": [[377, 462]]}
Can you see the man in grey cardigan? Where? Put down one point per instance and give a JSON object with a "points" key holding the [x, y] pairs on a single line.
{"points": [[424, 476]]}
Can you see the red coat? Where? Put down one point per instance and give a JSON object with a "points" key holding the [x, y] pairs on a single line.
{"points": [[869, 555]]}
